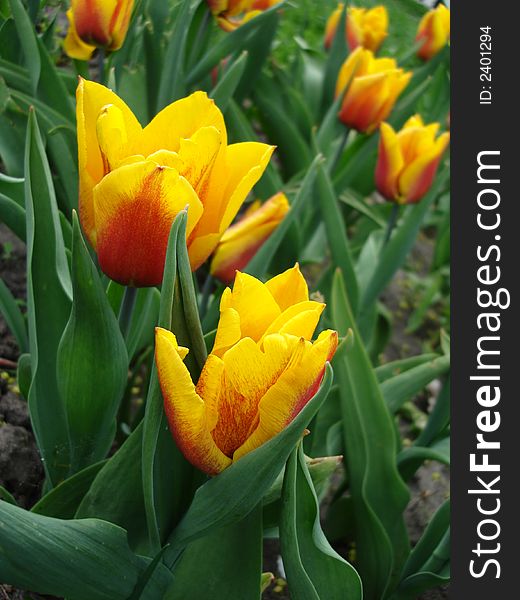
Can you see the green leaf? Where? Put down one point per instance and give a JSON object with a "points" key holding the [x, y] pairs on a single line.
{"points": [[173, 84], [399, 389], [231, 495], [416, 455], [6, 496], [63, 501], [116, 492], [28, 40], [51, 556], [48, 306], [337, 55], [24, 375], [167, 477], [225, 88], [13, 317], [144, 319], [337, 234], [260, 262], [397, 367], [370, 449], [227, 563], [314, 570], [92, 366]]}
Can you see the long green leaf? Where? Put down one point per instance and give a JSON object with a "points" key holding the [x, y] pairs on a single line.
{"points": [[48, 306], [92, 367], [13, 215], [13, 317], [370, 448], [314, 570], [28, 40]]}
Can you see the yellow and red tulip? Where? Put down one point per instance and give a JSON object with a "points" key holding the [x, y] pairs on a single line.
{"points": [[251, 388], [231, 14], [433, 32], [372, 88], [96, 23], [135, 180], [408, 160], [242, 240], [364, 27]]}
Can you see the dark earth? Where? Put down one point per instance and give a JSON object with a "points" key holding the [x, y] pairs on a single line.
{"points": [[21, 472]]}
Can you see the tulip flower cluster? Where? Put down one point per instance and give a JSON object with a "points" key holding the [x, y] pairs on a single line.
{"points": [[262, 371]]}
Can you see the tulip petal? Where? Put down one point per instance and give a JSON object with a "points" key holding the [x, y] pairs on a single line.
{"points": [[189, 417], [389, 164], [134, 208], [93, 20], [300, 319], [73, 45], [91, 97], [288, 288], [179, 120], [417, 177], [292, 390]]}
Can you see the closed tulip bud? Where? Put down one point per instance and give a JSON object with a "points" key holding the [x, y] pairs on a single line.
{"points": [[373, 86], [408, 160], [364, 27], [135, 180], [96, 23], [242, 240], [262, 371], [433, 32]]}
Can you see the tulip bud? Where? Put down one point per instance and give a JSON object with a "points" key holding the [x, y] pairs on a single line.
{"points": [[242, 240], [96, 23], [407, 161], [372, 87], [364, 27], [260, 374], [135, 180], [433, 32]]}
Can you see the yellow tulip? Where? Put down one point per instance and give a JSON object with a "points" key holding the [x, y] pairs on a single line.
{"points": [[135, 180], [408, 160], [251, 388], [242, 240], [364, 27], [372, 88], [96, 23], [433, 32]]}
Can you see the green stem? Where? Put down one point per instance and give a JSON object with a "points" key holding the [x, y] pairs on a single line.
{"points": [[206, 291], [100, 66], [126, 310], [339, 151], [392, 220]]}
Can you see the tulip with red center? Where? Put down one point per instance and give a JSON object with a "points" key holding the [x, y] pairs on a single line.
{"points": [[433, 32]]}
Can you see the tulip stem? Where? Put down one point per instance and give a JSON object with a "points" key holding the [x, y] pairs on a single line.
{"points": [[100, 64], [206, 290], [127, 309], [392, 220], [339, 151]]}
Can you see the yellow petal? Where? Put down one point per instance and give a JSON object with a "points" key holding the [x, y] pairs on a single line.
{"points": [[134, 209], [300, 320], [389, 163], [179, 120], [296, 385], [120, 22], [112, 136], [288, 288], [91, 97], [73, 45], [188, 415]]}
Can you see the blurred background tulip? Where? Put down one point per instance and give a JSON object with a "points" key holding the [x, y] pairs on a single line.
{"points": [[262, 371], [134, 180], [433, 32], [241, 241], [372, 87], [96, 24], [364, 27], [408, 160]]}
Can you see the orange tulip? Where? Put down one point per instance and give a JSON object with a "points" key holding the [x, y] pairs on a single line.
{"points": [[364, 27], [96, 23], [242, 240], [372, 88], [408, 160], [135, 180], [261, 373], [433, 32]]}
